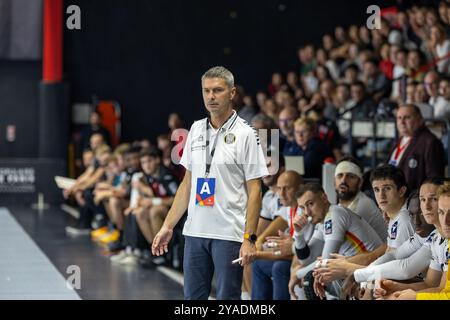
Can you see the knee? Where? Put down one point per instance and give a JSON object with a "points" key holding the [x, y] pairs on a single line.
{"points": [[140, 214], [158, 212], [281, 268], [256, 267]]}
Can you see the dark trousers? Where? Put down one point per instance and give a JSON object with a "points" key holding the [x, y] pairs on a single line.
{"points": [[203, 257]]}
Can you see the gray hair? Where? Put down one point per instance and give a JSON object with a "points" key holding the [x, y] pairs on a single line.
{"points": [[220, 72], [267, 121]]}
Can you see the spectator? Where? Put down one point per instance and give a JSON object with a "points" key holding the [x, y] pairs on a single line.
{"points": [[306, 56], [420, 99], [439, 47], [175, 122], [442, 105], [362, 105], [431, 83], [261, 98], [275, 84], [308, 145], [377, 84], [93, 127], [286, 124], [341, 100], [400, 64], [327, 130], [292, 81], [271, 109], [418, 153], [414, 62]]}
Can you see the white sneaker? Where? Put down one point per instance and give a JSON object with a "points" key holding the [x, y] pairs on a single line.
{"points": [[118, 257], [245, 296], [73, 231], [129, 260]]}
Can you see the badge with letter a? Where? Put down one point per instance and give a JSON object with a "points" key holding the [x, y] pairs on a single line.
{"points": [[205, 192]]}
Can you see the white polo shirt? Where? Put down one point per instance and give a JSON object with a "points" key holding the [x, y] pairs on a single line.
{"points": [[238, 158]]}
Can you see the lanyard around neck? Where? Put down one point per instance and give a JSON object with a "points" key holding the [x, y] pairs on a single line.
{"points": [[210, 155]]}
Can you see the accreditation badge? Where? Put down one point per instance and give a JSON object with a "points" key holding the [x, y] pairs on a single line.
{"points": [[206, 188]]}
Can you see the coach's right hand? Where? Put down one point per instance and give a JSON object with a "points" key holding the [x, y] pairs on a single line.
{"points": [[161, 242]]}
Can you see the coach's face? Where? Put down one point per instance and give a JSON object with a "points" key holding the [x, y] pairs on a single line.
{"points": [[217, 95]]}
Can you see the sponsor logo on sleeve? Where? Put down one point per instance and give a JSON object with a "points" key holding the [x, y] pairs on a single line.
{"points": [[328, 227]]}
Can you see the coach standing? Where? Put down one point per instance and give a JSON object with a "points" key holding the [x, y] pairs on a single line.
{"points": [[222, 191]]}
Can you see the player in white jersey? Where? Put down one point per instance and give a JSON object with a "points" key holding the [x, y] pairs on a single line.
{"points": [[343, 231], [271, 201], [442, 290], [409, 260], [348, 179], [435, 248], [389, 186]]}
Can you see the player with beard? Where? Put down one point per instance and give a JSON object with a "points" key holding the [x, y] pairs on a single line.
{"points": [[348, 181]]}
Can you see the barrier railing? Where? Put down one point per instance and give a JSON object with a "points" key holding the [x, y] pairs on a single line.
{"points": [[378, 128]]}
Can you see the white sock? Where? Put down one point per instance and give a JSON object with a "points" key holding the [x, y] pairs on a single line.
{"points": [[245, 296]]}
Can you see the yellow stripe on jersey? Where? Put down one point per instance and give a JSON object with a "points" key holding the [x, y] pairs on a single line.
{"points": [[356, 242]]}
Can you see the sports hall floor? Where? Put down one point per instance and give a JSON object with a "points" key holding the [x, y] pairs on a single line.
{"points": [[35, 253]]}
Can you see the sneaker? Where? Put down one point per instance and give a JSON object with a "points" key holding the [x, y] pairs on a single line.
{"points": [[98, 233], [145, 261], [118, 257], [159, 261], [76, 231], [129, 260], [98, 221], [112, 236], [115, 246]]}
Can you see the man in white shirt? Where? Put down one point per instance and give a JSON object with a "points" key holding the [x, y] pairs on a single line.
{"points": [[221, 189]]}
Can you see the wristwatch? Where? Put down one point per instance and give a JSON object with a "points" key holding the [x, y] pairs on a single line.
{"points": [[250, 237]]}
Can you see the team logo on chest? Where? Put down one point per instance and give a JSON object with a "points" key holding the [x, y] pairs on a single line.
{"points": [[393, 234], [230, 138]]}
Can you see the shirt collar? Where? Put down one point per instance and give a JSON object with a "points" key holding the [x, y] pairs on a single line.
{"points": [[228, 123]]}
